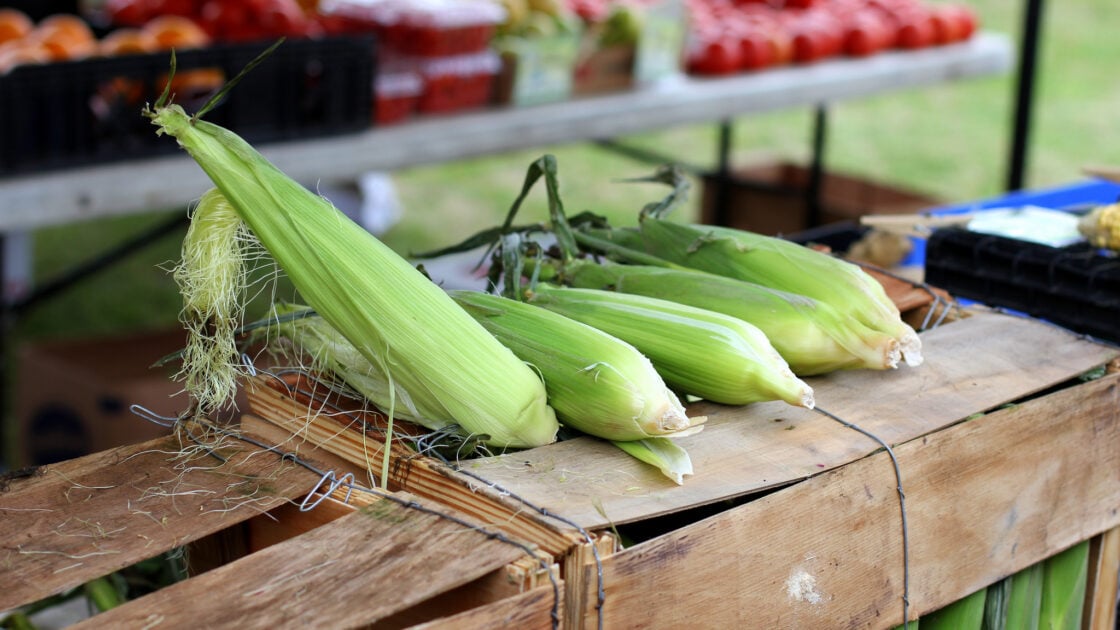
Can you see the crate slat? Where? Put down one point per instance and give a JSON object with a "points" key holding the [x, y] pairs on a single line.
{"points": [[360, 568], [1102, 593], [972, 365], [984, 499], [528, 611], [70, 522]]}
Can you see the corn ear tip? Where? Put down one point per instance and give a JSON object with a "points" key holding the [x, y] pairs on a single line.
{"points": [[910, 346], [808, 400]]}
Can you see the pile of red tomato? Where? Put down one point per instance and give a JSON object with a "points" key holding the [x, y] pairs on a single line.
{"points": [[224, 20], [732, 36]]}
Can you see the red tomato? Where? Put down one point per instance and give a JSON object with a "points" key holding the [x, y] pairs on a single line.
{"points": [[809, 45], [915, 30], [230, 21], [755, 50], [129, 12], [781, 42], [867, 33], [952, 23], [281, 18], [184, 8], [968, 19], [714, 56]]}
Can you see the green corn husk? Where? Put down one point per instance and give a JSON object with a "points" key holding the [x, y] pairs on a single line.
{"points": [[1024, 603], [995, 605], [331, 352], [1014, 602], [597, 383], [395, 316], [963, 614], [772, 262], [812, 337], [662, 453], [1064, 579], [699, 352]]}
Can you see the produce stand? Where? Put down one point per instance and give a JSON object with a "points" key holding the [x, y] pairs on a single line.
{"points": [[39, 200], [1004, 455]]}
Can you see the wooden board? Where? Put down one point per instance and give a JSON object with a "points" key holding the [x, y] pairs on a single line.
{"points": [[1102, 591], [527, 611], [361, 568], [972, 365], [71, 522], [301, 429], [984, 499]]}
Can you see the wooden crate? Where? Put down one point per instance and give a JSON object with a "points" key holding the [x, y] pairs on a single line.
{"points": [[792, 519], [771, 198], [258, 560]]}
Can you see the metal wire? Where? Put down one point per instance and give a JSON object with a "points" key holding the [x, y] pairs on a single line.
{"points": [[901, 505]]}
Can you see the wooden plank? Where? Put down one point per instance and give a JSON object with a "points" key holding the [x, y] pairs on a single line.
{"points": [[334, 437], [81, 519], [385, 558], [984, 499], [497, 588], [1102, 591], [972, 365], [527, 611], [288, 521]]}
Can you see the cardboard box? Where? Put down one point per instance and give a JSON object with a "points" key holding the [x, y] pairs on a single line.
{"points": [[771, 198], [73, 397]]}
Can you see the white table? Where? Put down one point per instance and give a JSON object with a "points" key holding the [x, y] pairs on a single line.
{"points": [[31, 201]]}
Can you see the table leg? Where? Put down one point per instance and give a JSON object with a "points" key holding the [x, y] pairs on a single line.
{"points": [[1024, 94], [816, 168]]}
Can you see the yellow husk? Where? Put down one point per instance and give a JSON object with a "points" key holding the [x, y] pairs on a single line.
{"points": [[811, 336], [597, 383], [699, 352]]}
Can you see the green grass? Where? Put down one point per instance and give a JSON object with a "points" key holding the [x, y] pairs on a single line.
{"points": [[951, 141]]}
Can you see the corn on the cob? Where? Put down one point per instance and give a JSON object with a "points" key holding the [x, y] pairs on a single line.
{"points": [[963, 614], [1064, 579], [597, 383], [392, 313], [1024, 602], [330, 352], [663, 453], [699, 352], [995, 605], [1102, 226], [773, 262], [811, 336]]}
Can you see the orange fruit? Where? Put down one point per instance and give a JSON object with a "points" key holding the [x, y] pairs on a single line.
{"points": [[66, 36], [22, 52], [14, 24], [127, 41], [174, 31]]}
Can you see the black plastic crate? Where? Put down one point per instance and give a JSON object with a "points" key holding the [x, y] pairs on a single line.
{"points": [[82, 112], [1076, 286]]}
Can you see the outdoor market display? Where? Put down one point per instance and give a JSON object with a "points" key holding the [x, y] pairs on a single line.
{"points": [[440, 56], [487, 415]]}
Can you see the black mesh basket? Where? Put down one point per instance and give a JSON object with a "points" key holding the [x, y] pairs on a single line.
{"points": [[75, 113], [1077, 286]]}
